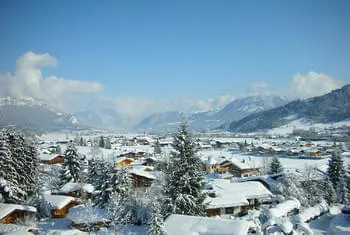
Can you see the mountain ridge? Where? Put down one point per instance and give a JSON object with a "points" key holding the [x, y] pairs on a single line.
{"points": [[331, 107]]}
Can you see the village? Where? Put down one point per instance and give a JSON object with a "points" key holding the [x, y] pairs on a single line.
{"points": [[240, 189]]}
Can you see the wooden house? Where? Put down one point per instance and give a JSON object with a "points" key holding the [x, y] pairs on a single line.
{"points": [[124, 162], [229, 198], [59, 204], [94, 220], [78, 190], [50, 159], [11, 213], [245, 167], [142, 177]]}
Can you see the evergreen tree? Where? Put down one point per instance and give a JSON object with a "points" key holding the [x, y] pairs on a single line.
{"points": [[108, 144], [347, 178], [329, 193], [183, 177], [290, 186], [58, 149], [276, 166], [72, 165], [156, 221], [157, 148], [101, 142], [336, 169], [342, 192], [18, 166], [112, 180]]}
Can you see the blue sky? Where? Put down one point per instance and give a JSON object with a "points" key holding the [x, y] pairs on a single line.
{"points": [[172, 49]]}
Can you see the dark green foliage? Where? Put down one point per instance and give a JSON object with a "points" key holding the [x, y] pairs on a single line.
{"points": [[336, 169], [18, 166], [183, 177], [157, 148], [72, 166], [276, 166]]}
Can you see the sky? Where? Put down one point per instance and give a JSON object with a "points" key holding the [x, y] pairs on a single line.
{"points": [[140, 57]]}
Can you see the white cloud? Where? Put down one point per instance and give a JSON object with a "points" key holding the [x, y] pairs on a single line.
{"points": [[313, 84], [258, 88], [27, 80]]}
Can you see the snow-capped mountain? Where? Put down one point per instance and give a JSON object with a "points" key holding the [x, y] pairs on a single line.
{"points": [[233, 111], [32, 114], [329, 108]]}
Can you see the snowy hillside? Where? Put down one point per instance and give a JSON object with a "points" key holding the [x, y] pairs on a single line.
{"points": [[233, 111], [31, 114]]}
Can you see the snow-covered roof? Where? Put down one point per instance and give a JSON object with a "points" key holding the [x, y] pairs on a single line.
{"points": [[283, 208], [247, 162], [12, 229], [87, 214], [195, 225], [120, 159], [228, 194], [47, 157], [71, 187], [58, 201], [141, 172], [7, 208], [312, 212]]}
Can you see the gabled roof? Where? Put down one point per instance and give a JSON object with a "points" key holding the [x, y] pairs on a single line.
{"points": [[58, 201], [79, 215], [71, 187], [7, 208], [228, 194], [48, 157], [141, 172]]}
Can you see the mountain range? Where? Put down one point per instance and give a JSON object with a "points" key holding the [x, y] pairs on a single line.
{"points": [[202, 121], [247, 114], [329, 108], [28, 113]]}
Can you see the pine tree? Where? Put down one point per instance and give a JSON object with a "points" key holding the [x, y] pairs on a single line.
{"points": [[183, 177], [101, 142], [276, 166], [342, 192], [329, 193], [72, 165], [156, 221], [18, 166], [108, 144], [157, 148], [336, 169], [112, 180]]}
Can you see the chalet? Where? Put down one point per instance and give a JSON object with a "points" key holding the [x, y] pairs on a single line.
{"points": [[227, 198], [60, 204], [11, 213], [143, 140], [133, 155], [94, 219], [50, 159], [124, 162], [149, 161], [142, 177], [245, 167], [219, 165], [79, 190]]}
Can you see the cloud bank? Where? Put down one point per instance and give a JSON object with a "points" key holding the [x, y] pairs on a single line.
{"points": [[27, 80], [75, 95], [313, 84]]}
